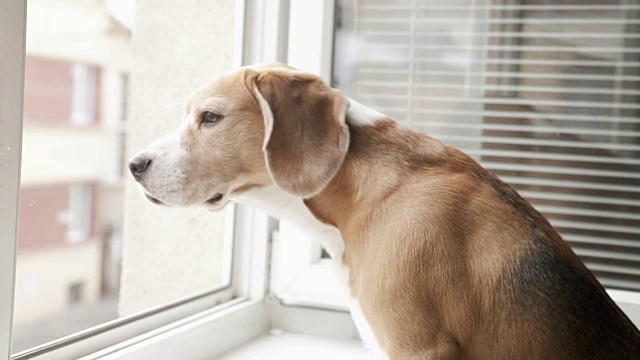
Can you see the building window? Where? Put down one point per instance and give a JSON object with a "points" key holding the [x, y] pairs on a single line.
{"points": [[80, 212], [75, 293], [74, 148], [85, 86]]}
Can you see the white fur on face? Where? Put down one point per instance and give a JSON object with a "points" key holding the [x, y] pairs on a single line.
{"points": [[166, 175]]}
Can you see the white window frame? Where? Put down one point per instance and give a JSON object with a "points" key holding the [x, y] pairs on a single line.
{"points": [[232, 315], [114, 117], [12, 41], [296, 258], [308, 294], [311, 49]]}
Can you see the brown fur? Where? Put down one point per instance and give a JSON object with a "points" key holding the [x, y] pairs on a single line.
{"points": [[440, 254]]}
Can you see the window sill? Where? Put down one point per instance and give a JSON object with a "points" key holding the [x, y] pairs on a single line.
{"points": [[278, 345], [629, 302], [211, 332]]}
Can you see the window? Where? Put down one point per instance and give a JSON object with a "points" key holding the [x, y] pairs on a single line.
{"points": [[302, 276], [542, 94], [70, 90], [533, 91], [88, 263], [512, 84]]}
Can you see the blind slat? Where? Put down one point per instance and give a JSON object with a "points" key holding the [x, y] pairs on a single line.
{"points": [[468, 59], [560, 170], [580, 198], [601, 240], [436, 125], [596, 227], [539, 155], [506, 34], [569, 184], [539, 142], [516, 88], [604, 254], [552, 7], [610, 282], [530, 48], [506, 101], [507, 21], [586, 212], [613, 268], [526, 114], [503, 74]]}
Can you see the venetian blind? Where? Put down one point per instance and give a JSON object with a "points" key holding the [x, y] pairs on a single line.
{"points": [[543, 94]]}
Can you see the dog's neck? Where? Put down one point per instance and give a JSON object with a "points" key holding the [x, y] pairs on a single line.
{"points": [[382, 156], [283, 205]]}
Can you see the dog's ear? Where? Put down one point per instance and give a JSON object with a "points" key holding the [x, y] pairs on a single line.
{"points": [[306, 136]]}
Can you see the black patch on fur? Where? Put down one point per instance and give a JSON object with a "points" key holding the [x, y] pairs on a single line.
{"points": [[566, 303], [553, 292], [504, 191]]}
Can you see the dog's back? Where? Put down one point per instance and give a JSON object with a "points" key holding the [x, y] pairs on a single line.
{"points": [[555, 309], [471, 270], [550, 306]]}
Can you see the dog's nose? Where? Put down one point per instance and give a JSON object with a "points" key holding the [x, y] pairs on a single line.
{"points": [[138, 165]]}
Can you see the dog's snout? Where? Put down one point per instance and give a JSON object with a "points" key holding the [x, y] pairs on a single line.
{"points": [[138, 165]]}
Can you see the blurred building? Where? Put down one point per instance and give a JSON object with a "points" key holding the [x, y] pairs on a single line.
{"points": [[78, 58]]}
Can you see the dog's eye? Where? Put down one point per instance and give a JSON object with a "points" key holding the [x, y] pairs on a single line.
{"points": [[210, 118]]}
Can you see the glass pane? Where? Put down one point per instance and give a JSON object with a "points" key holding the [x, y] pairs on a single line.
{"points": [[71, 274], [544, 94]]}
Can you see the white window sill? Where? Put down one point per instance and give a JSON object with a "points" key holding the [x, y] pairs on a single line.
{"points": [[282, 346]]}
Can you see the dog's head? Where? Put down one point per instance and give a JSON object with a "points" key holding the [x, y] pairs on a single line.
{"points": [[253, 127]]}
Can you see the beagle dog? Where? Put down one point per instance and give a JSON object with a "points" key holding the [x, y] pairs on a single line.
{"points": [[445, 260]]}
